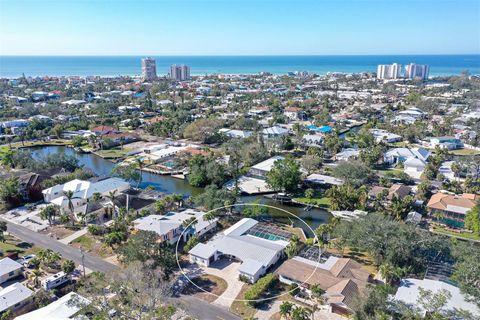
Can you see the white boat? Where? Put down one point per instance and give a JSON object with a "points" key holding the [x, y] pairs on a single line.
{"points": [[349, 215]]}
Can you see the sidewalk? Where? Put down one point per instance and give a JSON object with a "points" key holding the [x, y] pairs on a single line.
{"points": [[73, 236]]}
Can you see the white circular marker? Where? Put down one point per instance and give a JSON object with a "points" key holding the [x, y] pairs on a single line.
{"points": [[244, 205]]}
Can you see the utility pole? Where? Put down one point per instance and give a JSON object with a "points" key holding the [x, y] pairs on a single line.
{"points": [[82, 252]]}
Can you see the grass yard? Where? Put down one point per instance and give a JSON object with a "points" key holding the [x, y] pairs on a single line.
{"points": [[464, 152], [210, 283], [112, 153], [456, 234], [240, 307], [93, 245], [361, 257], [323, 202], [13, 244]]}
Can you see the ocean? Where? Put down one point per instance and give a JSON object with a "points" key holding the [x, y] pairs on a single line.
{"points": [[15, 66]]}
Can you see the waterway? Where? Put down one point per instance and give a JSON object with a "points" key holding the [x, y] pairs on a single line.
{"points": [[167, 184]]}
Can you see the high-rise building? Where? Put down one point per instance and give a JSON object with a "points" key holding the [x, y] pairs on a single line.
{"points": [[389, 71], [179, 72], [417, 71], [149, 69]]}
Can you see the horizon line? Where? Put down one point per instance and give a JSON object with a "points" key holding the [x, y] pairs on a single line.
{"points": [[236, 55]]}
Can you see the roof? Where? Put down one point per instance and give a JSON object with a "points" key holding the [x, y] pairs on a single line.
{"points": [[323, 179], [341, 278], [256, 252], [203, 251], [408, 292], [240, 227], [407, 153], [61, 309], [399, 190], [8, 265], [250, 266], [275, 131], [162, 224], [13, 294], [454, 203], [267, 165]]}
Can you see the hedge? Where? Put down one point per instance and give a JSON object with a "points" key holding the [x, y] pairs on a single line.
{"points": [[257, 289]]}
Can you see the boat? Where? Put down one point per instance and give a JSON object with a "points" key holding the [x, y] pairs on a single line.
{"points": [[349, 215]]}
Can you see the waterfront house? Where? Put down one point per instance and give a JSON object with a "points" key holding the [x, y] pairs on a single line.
{"points": [[9, 269], [255, 245], [385, 136], [261, 169], [445, 142], [451, 209], [83, 190], [15, 297], [169, 227]]}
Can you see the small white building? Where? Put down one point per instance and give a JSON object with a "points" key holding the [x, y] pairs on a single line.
{"points": [[261, 169], [274, 132], [15, 297], [9, 269], [64, 308], [385, 136], [232, 133], [169, 227]]}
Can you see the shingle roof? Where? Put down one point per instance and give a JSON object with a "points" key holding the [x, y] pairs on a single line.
{"points": [[444, 201]]}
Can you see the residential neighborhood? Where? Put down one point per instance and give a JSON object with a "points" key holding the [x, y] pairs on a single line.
{"points": [[240, 196]]}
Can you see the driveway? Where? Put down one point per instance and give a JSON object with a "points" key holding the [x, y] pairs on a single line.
{"points": [[228, 271]]}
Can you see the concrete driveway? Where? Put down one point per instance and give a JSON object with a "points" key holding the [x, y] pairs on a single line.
{"points": [[227, 270]]}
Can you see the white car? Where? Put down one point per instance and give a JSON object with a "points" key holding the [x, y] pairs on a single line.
{"points": [[25, 261]]}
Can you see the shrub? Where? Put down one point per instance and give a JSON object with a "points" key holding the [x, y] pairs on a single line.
{"points": [[293, 289], [257, 289], [243, 278]]}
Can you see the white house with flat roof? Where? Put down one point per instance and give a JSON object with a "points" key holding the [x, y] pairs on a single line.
{"points": [[261, 169], [64, 308], [409, 292], [15, 297], [256, 254], [83, 190], [169, 227], [9, 269]]}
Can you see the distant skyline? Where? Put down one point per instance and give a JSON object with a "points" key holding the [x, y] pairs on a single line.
{"points": [[239, 27]]}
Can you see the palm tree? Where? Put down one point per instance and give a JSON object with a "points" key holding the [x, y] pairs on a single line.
{"points": [[35, 277], [286, 309], [112, 196], [69, 195], [139, 163], [48, 213]]}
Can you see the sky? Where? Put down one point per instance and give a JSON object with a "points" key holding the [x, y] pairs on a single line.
{"points": [[239, 27]]}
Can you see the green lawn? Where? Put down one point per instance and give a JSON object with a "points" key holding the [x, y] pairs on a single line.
{"points": [[14, 245], [91, 245], [459, 234], [464, 152], [111, 153], [323, 202]]}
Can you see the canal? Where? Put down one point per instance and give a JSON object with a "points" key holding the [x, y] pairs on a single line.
{"points": [[167, 184]]}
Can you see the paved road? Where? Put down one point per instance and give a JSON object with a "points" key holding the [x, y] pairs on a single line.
{"points": [[44, 241], [194, 306]]}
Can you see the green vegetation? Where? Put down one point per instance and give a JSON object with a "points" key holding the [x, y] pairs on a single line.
{"points": [[259, 288]]}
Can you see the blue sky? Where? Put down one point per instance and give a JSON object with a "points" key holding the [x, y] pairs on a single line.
{"points": [[238, 27]]}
